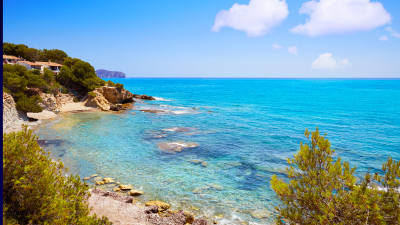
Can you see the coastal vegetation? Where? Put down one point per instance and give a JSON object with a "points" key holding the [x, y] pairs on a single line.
{"points": [[324, 191], [35, 189], [24, 85], [33, 54]]}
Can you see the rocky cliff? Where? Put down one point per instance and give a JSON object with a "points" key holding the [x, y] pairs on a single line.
{"points": [[11, 117], [108, 98], [110, 74], [115, 95]]}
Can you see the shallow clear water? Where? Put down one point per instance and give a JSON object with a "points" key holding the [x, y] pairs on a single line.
{"points": [[245, 128]]}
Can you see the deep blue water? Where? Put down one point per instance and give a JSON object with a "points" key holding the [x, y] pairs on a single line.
{"points": [[245, 129]]}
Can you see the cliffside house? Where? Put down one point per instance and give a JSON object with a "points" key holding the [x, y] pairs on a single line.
{"points": [[55, 67], [31, 65], [9, 59]]}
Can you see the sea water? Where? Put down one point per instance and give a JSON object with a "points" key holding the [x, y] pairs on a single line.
{"points": [[245, 130]]}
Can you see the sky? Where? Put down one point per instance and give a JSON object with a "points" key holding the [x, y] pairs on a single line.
{"points": [[216, 39]]}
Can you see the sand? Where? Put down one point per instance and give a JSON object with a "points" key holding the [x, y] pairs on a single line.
{"points": [[76, 107]]}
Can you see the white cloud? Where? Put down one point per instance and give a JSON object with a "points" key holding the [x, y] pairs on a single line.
{"points": [[292, 50], [256, 19], [276, 46], [327, 62], [392, 32], [383, 38], [341, 16]]}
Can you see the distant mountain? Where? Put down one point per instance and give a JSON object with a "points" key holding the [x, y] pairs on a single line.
{"points": [[110, 74]]}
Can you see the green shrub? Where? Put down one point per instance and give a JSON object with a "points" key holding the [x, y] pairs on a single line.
{"points": [[76, 99], [35, 191], [119, 86], [324, 191], [110, 83], [27, 104], [92, 94]]}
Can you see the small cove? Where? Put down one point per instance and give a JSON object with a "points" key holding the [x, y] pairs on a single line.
{"points": [[245, 130]]}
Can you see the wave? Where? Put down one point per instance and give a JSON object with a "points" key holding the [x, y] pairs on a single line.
{"points": [[161, 99], [179, 112]]}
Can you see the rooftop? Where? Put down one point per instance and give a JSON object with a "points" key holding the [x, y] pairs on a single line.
{"points": [[31, 63], [11, 57], [49, 63]]}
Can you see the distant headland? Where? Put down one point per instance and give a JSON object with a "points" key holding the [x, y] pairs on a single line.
{"points": [[109, 74]]}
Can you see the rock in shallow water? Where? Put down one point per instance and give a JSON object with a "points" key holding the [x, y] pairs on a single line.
{"points": [[162, 206], [125, 187], [108, 180], [176, 146], [262, 213], [135, 192]]}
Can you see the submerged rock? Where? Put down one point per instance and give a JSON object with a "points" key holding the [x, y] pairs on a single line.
{"points": [[162, 206], [97, 178], [153, 110], [262, 213], [176, 146], [116, 189], [204, 164], [180, 129]]}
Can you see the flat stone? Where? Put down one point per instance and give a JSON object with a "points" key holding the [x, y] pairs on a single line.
{"points": [[125, 187], [97, 178], [196, 161], [108, 180], [42, 115], [94, 175], [86, 178], [99, 182], [135, 192]]}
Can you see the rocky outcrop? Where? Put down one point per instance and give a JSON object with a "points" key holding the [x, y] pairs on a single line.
{"points": [[144, 97], [115, 95], [49, 102], [11, 117], [98, 102]]}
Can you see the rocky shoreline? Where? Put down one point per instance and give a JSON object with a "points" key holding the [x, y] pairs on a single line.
{"points": [[119, 204], [121, 207]]}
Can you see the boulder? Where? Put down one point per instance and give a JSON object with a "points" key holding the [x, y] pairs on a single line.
{"points": [[125, 187], [115, 95], [116, 189], [98, 102], [175, 219], [99, 182], [135, 192], [189, 218], [108, 180], [162, 206]]}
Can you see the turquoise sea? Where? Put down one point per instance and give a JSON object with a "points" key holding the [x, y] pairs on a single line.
{"points": [[245, 130]]}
